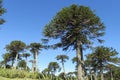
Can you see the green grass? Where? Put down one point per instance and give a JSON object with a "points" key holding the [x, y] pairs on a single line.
{"points": [[12, 74], [3, 78]]}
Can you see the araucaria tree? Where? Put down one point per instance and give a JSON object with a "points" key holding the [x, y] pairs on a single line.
{"points": [[62, 59], [2, 11], [101, 57], [35, 48], [15, 47], [77, 27], [53, 67]]}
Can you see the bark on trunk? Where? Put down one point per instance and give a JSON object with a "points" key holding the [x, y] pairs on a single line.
{"points": [[95, 77], [80, 65], [26, 63], [63, 67], [16, 58], [101, 74], [111, 75], [36, 61]]}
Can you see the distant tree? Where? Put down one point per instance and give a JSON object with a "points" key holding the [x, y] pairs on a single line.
{"points": [[35, 48], [77, 27], [26, 55], [2, 11], [46, 71], [62, 59], [101, 57], [33, 63], [15, 47], [74, 60], [6, 58], [53, 67], [22, 64]]}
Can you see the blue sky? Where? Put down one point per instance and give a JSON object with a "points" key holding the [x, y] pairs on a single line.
{"points": [[25, 20]]}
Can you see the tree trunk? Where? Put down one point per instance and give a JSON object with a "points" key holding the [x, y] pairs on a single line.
{"points": [[15, 64], [111, 75], [101, 74], [80, 65], [95, 77], [36, 61], [26, 63], [63, 69]]}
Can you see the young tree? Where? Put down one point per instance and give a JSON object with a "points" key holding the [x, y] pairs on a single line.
{"points": [[33, 64], [62, 59], [53, 67], [101, 57], [35, 48], [26, 55], [15, 47], [77, 27], [22, 64], [46, 71], [2, 11]]}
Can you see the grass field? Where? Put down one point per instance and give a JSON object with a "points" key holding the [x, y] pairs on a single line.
{"points": [[3, 78]]}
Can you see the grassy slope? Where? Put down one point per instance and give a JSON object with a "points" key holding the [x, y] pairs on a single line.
{"points": [[3, 78]]}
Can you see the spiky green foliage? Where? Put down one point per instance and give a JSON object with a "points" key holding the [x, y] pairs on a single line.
{"points": [[15, 47], [22, 64], [2, 11], [76, 26], [35, 48], [101, 58], [62, 59], [75, 23], [53, 67]]}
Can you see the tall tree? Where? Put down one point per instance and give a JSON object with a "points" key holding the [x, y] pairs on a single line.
{"points": [[26, 55], [101, 57], [15, 47], [62, 59], [34, 48], [77, 27], [53, 67], [2, 11]]}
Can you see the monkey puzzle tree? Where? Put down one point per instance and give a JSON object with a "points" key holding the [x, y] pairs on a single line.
{"points": [[15, 47], [62, 59], [2, 11], [53, 67], [77, 27], [22, 64], [34, 48], [101, 57], [26, 55]]}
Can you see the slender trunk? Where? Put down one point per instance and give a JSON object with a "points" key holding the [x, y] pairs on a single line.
{"points": [[36, 61], [16, 58], [63, 67], [91, 77], [26, 63], [111, 75], [95, 77], [101, 74], [80, 65]]}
